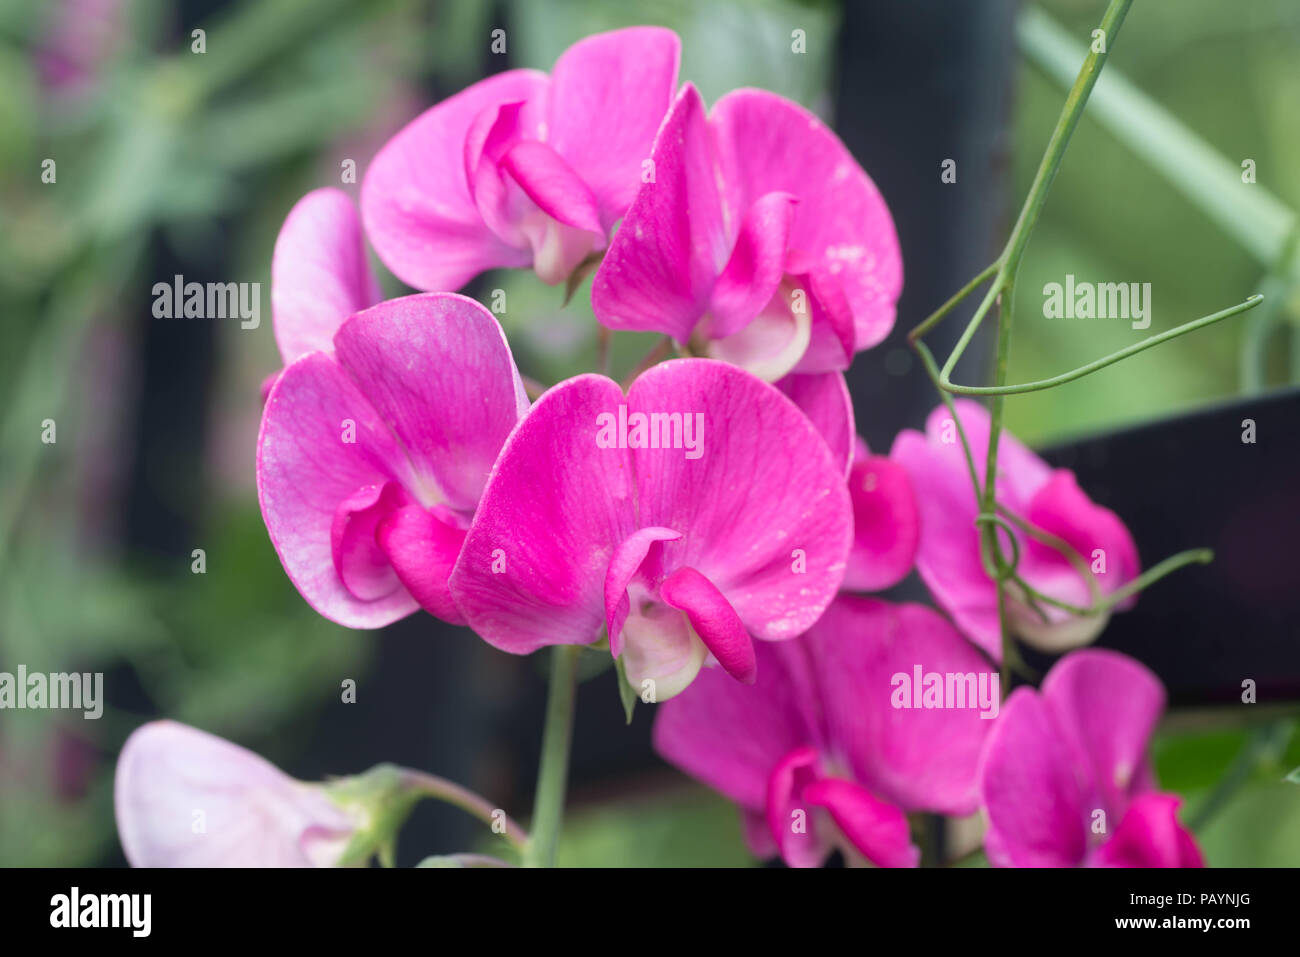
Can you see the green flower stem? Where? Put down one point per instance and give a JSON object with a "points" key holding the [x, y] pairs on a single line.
{"points": [[440, 789], [553, 774]]}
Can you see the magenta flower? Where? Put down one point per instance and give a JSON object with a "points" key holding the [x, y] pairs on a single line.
{"points": [[826, 751], [185, 798], [760, 241], [699, 510], [522, 169], [1049, 499], [1065, 778], [372, 457]]}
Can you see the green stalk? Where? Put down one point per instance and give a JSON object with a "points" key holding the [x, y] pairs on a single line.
{"points": [[553, 774]]}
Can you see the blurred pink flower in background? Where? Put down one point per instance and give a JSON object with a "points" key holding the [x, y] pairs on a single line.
{"points": [[816, 754], [185, 798], [1049, 499], [1065, 778], [80, 37]]}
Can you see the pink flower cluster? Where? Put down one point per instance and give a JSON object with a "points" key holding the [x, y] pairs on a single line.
{"points": [[710, 520]]}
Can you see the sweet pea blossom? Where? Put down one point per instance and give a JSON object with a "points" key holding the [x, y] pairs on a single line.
{"points": [[186, 798], [372, 456], [1065, 778], [1050, 500], [760, 241], [722, 516], [522, 169], [817, 754]]}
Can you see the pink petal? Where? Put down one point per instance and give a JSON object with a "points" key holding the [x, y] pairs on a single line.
{"points": [[438, 370], [415, 200], [916, 758], [790, 817], [731, 736], [1059, 507], [554, 186], [1021, 473], [1106, 705], [552, 515], [877, 829], [306, 468], [659, 271], [713, 619], [1150, 836], [948, 548], [886, 522], [767, 143], [763, 510], [755, 267], [609, 93], [319, 273], [421, 545], [1037, 816], [629, 560], [184, 798], [825, 399], [359, 561]]}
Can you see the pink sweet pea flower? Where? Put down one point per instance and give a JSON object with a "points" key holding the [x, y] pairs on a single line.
{"points": [[1065, 778], [522, 169], [698, 510], [760, 241], [823, 752], [185, 798], [372, 456], [1049, 499]]}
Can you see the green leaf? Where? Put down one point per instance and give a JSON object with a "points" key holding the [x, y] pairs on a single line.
{"points": [[626, 693]]}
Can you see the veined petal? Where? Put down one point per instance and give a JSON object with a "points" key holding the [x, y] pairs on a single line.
{"points": [[659, 271], [760, 501], [533, 568], [321, 440], [319, 273], [767, 143], [609, 93], [755, 267], [415, 200], [438, 369], [825, 399]]}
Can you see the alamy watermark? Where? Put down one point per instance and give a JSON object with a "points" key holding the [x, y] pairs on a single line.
{"points": [[947, 690], [214, 300], [652, 430], [58, 690], [1106, 300]]}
